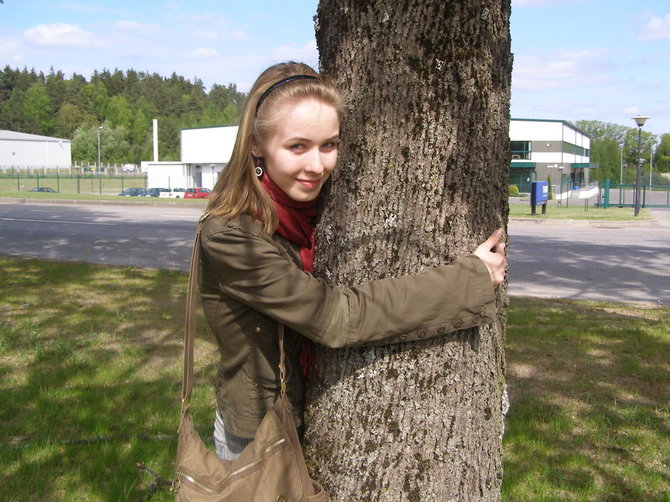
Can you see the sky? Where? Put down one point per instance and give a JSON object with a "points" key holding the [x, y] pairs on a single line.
{"points": [[605, 60]]}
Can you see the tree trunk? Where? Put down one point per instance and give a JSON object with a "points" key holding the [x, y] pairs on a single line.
{"points": [[422, 180]]}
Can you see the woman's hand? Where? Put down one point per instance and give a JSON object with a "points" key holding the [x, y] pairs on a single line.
{"points": [[492, 253]]}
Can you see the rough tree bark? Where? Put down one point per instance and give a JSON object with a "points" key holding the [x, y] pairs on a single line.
{"points": [[422, 179]]}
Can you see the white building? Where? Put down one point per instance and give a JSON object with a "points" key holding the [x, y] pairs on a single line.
{"points": [[167, 174], [540, 148], [548, 148], [20, 150], [205, 152]]}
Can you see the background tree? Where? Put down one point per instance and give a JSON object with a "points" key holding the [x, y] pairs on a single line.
{"points": [[612, 144], [70, 117], [37, 112], [56, 88], [55, 105], [12, 111], [422, 179], [662, 155]]}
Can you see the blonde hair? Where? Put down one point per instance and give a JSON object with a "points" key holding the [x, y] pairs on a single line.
{"points": [[238, 189]]}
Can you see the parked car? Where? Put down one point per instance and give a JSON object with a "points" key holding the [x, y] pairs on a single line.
{"points": [[128, 168], [175, 193], [41, 189], [133, 192], [155, 192], [197, 193]]}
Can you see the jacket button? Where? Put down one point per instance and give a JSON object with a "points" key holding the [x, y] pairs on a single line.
{"points": [[476, 319], [458, 324], [258, 329], [403, 337], [423, 333], [441, 330]]}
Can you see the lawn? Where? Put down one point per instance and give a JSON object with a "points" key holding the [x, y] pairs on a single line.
{"points": [[90, 362], [20, 183], [589, 417], [578, 211]]}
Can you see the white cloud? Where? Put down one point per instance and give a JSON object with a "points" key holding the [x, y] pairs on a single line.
{"points": [[134, 27], [240, 34], [541, 3], [59, 35], [10, 51], [561, 70], [204, 53], [307, 53], [631, 110], [656, 28]]}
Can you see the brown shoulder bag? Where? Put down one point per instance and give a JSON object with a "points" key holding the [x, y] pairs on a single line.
{"points": [[270, 469]]}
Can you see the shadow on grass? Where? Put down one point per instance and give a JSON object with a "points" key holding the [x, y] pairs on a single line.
{"points": [[92, 353], [589, 417]]}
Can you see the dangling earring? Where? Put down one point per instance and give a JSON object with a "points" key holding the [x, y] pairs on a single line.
{"points": [[259, 171]]}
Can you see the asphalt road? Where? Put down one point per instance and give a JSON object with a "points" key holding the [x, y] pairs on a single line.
{"points": [[580, 260], [117, 234], [588, 260]]}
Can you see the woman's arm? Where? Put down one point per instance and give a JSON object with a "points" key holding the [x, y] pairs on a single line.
{"points": [[253, 270]]}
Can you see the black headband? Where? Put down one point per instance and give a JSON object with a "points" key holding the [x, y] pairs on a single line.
{"points": [[279, 83]]}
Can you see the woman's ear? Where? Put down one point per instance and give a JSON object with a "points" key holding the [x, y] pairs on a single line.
{"points": [[255, 151]]}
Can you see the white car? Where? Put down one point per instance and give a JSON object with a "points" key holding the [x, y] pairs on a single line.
{"points": [[174, 193]]}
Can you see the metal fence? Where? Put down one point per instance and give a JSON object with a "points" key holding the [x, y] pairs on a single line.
{"points": [[624, 195], [84, 183]]}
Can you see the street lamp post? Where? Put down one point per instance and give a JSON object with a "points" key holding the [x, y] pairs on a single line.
{"points": [[99, 128], [651, 162], [639, 120]]}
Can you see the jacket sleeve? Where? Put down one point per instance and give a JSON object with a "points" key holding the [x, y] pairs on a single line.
{"points": [[253, 270]]}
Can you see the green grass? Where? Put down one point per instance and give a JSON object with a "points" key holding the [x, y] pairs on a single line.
{"points": [[589, 417], [577, 211], [93, 352], [72, 184], [88, 351]]}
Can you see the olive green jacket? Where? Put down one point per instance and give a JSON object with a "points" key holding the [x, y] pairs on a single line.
{"points": [[249, 281]]}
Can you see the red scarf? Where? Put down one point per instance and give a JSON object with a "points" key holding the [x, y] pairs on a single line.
{"points": [[296, 224]]}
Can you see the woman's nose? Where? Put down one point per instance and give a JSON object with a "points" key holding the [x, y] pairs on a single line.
{"points": [[314, 163]]}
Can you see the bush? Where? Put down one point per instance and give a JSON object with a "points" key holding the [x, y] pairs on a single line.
{"points": [[513, 191]]}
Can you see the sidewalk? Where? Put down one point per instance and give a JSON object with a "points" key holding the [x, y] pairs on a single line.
{"points": [[661, 216]]}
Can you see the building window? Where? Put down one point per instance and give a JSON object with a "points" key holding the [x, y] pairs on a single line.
{"points": [[575, 150], [520, 149]]}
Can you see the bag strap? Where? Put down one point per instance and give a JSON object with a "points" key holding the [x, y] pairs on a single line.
{"points": [[189, 328], [189, 320]]}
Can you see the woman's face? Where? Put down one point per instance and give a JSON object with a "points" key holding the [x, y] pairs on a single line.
{"points": [[301, 151]]}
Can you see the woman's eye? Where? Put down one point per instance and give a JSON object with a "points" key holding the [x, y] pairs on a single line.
{"points": [[297, 146]]}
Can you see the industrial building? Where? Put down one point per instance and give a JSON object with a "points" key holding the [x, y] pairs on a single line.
{"points": [[205, 152], [549, 149], [19, 150], [541, 150]]}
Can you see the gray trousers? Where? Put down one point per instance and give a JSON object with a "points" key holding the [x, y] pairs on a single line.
{"points": [[228, 446]]}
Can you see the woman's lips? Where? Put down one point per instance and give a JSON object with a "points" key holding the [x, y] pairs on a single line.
{"points": [[309, 183]]}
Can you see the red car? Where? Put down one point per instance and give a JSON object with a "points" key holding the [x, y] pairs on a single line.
{"points": [[197, 193]]}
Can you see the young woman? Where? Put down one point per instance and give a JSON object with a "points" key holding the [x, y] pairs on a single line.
{"points": [[257, 255]]}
